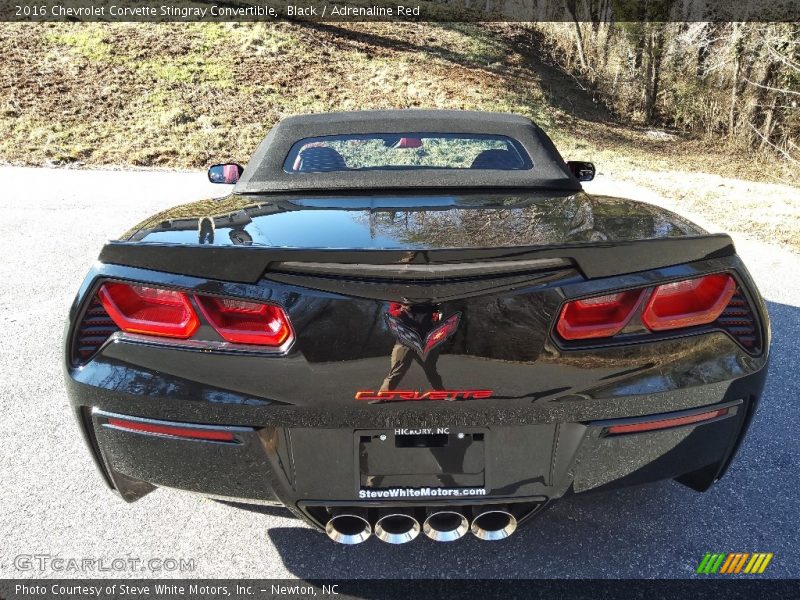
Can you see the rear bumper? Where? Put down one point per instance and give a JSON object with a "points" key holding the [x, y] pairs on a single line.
{"points": [[275, 458]]}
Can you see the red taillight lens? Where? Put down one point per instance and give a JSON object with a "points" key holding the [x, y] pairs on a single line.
{"points": [[689, 302], [148, 310], [242, 322], [194, 433], [598, 317]]}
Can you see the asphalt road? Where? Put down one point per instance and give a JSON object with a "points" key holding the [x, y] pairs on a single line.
{"points": [[53, 503]]}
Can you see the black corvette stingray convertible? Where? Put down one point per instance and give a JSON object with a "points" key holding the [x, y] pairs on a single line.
{"points": [[413, 321]]}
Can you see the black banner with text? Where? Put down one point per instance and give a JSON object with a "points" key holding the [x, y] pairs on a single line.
{"points": [[401, 10], [265, 589]]}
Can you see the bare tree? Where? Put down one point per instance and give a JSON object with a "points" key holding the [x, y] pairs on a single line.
{"points": [[740, 80]]}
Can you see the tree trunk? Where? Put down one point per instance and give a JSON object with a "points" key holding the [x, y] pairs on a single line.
{"points": [[579, 43], [638, 53], [738, 50], [570, 5], [595, 9], [655, 46], [768, 121], [734, 95], [609, 33], [703, 51]]}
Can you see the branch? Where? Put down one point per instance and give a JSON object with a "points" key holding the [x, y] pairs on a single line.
{"points": [[774, 89], [781, 150], [784, 59]]}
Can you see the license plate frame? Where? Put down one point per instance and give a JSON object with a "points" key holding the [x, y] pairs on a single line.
{"points": [[437, 457]]}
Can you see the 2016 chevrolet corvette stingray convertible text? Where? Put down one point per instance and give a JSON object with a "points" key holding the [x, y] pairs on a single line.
{"points": [[413, 321]]}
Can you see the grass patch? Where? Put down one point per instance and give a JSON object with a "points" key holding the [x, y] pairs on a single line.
{"points": [[90, 41], [477, 45], [188, 94], [195, 70]]}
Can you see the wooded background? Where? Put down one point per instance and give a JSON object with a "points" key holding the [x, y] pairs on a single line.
{"points": [[738, 82]]}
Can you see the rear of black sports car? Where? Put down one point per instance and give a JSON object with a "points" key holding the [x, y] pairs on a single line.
{"points": [[433, 361]]}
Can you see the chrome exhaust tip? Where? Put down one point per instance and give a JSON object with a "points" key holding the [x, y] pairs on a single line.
{"points": [[494, 524], [396, 527], [348, 528], [446, 525]]}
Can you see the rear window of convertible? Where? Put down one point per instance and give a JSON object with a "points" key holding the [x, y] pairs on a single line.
{"points": [[406, 151]]}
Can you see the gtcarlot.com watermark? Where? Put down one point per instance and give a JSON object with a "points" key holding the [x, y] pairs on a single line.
{"points": [[60, 564]]}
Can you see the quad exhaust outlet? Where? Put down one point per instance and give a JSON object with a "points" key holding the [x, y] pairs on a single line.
{"points": [[493, 524], [396, 526], [349, 527], [402, 525], [445, 525]]}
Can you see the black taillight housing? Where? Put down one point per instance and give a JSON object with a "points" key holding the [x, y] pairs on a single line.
{"points": [[158, 312], [738, 321], [94, 328], [713, 300]]}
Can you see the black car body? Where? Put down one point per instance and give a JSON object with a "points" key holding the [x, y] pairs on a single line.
{"points": [[401, 348]]}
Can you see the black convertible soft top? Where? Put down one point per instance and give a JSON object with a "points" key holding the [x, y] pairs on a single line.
{"points": [[265, 171]]}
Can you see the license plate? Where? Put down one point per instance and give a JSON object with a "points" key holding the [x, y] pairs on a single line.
{"points": [[420, 458]]}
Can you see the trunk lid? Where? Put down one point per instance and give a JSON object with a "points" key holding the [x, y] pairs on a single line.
{"points": [[392, 222], [369, 281]]}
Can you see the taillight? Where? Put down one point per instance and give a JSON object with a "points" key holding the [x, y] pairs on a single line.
{"points": [[243, 322], [689, 302], [602, 316], [685, 303], [149, 310], [155, 311]]}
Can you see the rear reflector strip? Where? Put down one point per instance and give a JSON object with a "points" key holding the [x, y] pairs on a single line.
{"points": [[666, 423], [194, 433]]}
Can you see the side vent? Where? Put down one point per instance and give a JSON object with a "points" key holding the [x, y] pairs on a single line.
{"points": [[737, 319], [92, 332]]}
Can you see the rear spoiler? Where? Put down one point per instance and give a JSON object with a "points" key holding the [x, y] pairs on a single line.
{"points": [[248, 264]]}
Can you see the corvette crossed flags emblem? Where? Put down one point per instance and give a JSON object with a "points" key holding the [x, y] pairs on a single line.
{"points": [[410, 338]]}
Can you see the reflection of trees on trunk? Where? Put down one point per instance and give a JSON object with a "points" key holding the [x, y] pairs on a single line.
{"points": [[669, 365], [517, 221], [127, 379], [325, 332]]}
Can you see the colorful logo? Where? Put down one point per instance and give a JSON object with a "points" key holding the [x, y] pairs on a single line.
{"points": [[734, 562], [410, 338]]}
